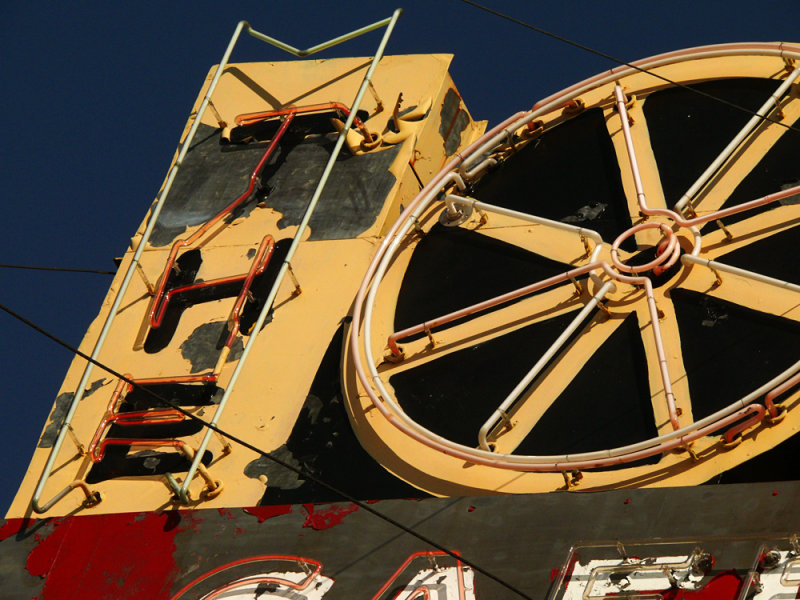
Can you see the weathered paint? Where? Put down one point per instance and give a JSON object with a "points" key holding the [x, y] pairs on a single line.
{"points": [[105, 556], [201, 347], [262, 513], [65, 557], [329, 263], [12, 527], [553, 413], [61, 405], [326, 518]]}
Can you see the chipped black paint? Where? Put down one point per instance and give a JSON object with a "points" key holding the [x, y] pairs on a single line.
{"points": [[322, 443], [59, 413], [117, 463], [590, 212], [277, 476], [189, 265], [203, 346], [212, 176], [452, 121], [56, 420], [94, 386], [351, 200]]}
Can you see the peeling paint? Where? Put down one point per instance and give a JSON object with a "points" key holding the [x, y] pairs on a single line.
{"points": [[118, 539], [62, 404], [94, 386], [725, 586], [277, 476], [326, 518], [191, 520], [452, 121], [211, 177], [590, 212], [202, 347], [714, 312], [347, 207], [262, 513], [225, 513], [13, 527], [41, 558], [56, 419]]}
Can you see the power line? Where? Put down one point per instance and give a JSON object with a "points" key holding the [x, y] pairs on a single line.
{"points": [[619, 61], [267, 455], [64, 269]]}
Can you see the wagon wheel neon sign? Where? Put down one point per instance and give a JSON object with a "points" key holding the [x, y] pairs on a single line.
{"points": [[622, 282]]}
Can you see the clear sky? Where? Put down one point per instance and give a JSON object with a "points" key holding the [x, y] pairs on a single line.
{"points": [[95, 96]]}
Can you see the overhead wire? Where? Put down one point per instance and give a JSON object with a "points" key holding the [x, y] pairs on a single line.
{"points": [[304, 474], [63, 269], [300, 471], [621, 62]]}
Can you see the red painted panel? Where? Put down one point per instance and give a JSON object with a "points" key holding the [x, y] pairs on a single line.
{"points": [[319, 518], [104, 557], [267, 512]]}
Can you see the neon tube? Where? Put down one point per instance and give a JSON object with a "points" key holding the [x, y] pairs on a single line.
{"points": [[758, 414], [500, 411], [184, 148], [253, 118], [451, 199], [311, 574], [158, 305], [360, 334], [478, 307], [781, 50], [738, 139], [671, 214], [769, 399], [112, 313], [390, 23]]}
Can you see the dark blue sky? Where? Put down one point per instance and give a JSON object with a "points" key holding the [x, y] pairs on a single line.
{"points": [[96, 94]]}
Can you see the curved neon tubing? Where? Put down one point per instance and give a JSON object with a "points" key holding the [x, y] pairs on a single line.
{"points": [[312, 204], [112, 312], [161, 297], [389, 23], [459, 570], [679, 437], [507, 297], [296, 559], [671, 214], [737, 140], [500, 411], [398, 418], [549, 103]]}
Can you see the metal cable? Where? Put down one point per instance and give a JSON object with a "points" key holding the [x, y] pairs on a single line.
{"points": [[297, 470], [619, 61], [38, 268]]}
